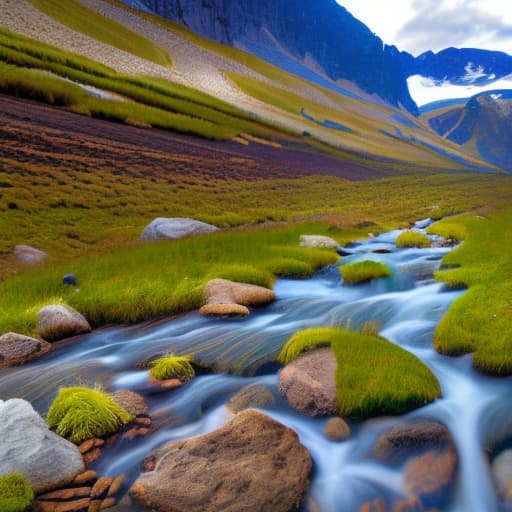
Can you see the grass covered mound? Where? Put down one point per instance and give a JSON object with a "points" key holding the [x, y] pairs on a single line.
{"points": [[16, 494], [79, 413], [362, 271], [413, 239], [374, 376], [172, 367], [480, 320]]}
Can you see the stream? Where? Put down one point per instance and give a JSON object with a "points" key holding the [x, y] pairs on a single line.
{"points": [[406, 307]]}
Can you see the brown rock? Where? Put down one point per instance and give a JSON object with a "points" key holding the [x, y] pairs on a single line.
{"points": [[29, 255], [63, 506], [408, 439], [223, 297], [502, 474], [86, 446], [253, 395], [57, 322], [132, 402], [116, 485], [308, 383], [65, 494], [337, 429], [91, 456], [373, 506], [141, 420], [99, 442], [409, 504], [85, 477], [252, 456], [166, 384], [101, 487], [94, 506], [107, 503], [16, 349]]}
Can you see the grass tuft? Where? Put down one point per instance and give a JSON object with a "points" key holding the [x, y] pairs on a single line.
{"points": [[413, 239], [289, 268], [79, 413], [16, 494], [172, 367], [362, 271]]}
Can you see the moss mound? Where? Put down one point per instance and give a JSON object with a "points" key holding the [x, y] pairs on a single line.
{"points": [[15, 492], [373, 376], [413, 239], [362, 271], [80, 413], [172, 367], [290, 268]]}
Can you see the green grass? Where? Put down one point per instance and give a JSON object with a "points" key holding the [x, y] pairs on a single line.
{"points": [[16, 494], [78, 17], [413, 239], [362, 271], [480, 320], [449, 230], [79, 413], [374, 377], [172, 367]]}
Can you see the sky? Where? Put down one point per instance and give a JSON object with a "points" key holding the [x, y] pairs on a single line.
{"points": [[420, 25]]}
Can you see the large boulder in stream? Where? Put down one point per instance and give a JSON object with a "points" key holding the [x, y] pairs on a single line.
{"points": [[308, 383], [164, 228], [56, 322], [27, 445], [502, 474], [251, 464], [16, 349]]}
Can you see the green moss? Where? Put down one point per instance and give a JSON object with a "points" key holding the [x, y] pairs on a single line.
{"points": [[172, 367], [362, 271], [373, 376], [413, 239], [80, 413], [16, 493], [290, 268]]}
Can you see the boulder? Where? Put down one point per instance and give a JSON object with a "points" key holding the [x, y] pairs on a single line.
{"points": [[48, 460], [502, 474], [223, 297], [253, 395], [16, 349], [318, 241], [132, 402], [337, 430], [163, 228], [308, 383], [29, 255], [251, 464], [57, 322], [408, 439]]}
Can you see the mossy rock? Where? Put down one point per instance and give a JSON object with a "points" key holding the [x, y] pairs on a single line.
{"points": [[172, 367], [79, 413], [413, 239], [362, 271], [373, 376], [15, 492]]}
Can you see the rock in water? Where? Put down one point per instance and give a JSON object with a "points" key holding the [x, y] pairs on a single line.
{"points": [[29, 255], [163, 228], [308, 383], [252, 464], [16, 349], [320, 241], [502, 474], [57, 322], [70, 280], [27, 445], [337, 430]]}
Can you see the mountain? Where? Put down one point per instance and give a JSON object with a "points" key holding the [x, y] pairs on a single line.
{"points": [[314, 39]]}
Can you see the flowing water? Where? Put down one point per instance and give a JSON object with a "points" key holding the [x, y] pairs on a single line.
{"points": [[406, 306]]}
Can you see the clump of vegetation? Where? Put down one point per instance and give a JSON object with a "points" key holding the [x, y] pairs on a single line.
{"points": [[413, 239], [480, 320], [172, 367], [448, 230], [79, 413], [373, 376], [16, 494], [362, 271], [290, 268]]}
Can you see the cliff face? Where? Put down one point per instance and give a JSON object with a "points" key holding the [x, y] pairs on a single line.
{"points": [[322, 30]]}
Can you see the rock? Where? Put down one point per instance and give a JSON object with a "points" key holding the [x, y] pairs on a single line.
{"points": [[409, 504], [116, 485], [101, 487], [63, 506], [163, 228], [48, 461], [318, 241], [502, 474], [57, 322], [86, 446], [373, 506], [337, 429], [308, 383], [253, 395], [251, 464], [85, 477], [223, 297], [66, 494], [431, 475], [132, 402], [16, 349], [29, 255], [70, 280], [408, 439]]}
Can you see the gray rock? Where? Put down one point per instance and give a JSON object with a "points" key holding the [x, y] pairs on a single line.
{"points": [[48, 461], [57, 322], [163, 228], [29, 255], [16, 349], [502, 474], [308, 383], [318, 241]]}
